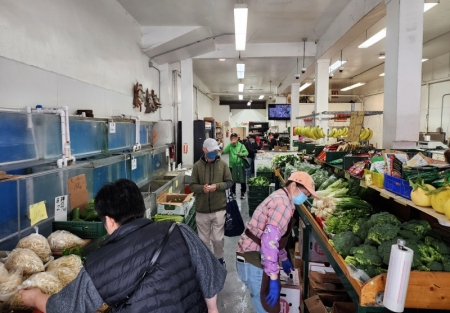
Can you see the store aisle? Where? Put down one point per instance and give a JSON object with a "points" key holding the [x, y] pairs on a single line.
{"points": [[234, 298]]}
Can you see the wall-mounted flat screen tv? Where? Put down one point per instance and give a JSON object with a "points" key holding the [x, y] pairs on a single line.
{"points": [[279, 112]]}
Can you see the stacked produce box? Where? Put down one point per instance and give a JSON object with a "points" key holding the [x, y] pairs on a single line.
{"points": [[258, 191]]}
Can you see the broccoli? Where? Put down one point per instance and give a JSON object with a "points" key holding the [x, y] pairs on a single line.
{"points": [[351, 260], [344, 221], [383, 218], [408, 235], [437, 244], [422, 268], [383, 232], [361, 228], [370, 242], [371, 270], [414, 246], [344, 242], [434, 234], [384, 250], [428, 254], [435, 266], [446, 263], [419, 227], [366, 255]]}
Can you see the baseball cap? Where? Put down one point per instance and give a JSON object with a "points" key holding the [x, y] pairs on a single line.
{"points": [[305, 180], [211, 145]]}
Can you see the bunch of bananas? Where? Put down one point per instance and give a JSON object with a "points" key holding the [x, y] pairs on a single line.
{"points": [[310, 132], [366, 134], [336, 133]]}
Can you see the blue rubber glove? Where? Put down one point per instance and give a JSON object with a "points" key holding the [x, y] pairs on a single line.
{"points": [[274, 292], [287, 266]]}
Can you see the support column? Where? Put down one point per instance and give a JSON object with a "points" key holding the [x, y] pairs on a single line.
{"points": [[187, 110], [295, 110], [403, 73], [321, 91]]}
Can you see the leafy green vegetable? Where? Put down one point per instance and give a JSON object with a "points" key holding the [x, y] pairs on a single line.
{"points": [[418, 227], [345, 220], [344, 242], [328, 182], [361, 228], [281, 160], [384, 218], [366, 255], [264, 169], [260, 181], [428, 254], [438, 245], [435, 266], [383, 232], [77, 250]]}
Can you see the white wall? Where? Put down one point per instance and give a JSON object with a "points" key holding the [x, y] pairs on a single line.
{"points": [[83, 54], [203, 104]]}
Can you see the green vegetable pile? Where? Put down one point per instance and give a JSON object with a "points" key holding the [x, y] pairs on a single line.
{"points": [[281, 160], [163, 217], [89, 215], [259, 181], [75, 250], [264, 169], [366, 242]]}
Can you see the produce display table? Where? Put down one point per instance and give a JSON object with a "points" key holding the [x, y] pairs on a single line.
{"points": [[426, 290]]}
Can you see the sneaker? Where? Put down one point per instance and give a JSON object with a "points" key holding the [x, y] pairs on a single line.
{"points": [[222, 261], [243, 196]]}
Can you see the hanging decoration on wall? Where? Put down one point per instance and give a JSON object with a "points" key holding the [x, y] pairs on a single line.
{"points": [[151, 102], [138, 98]]}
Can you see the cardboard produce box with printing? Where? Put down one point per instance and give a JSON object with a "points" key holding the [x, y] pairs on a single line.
{"points": [[175, 204], [328, 287], [290, 295], [316, 253]]}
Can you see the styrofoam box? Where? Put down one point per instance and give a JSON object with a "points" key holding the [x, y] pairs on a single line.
{"points": [[320, 267], [290, 299], [316, 253]]}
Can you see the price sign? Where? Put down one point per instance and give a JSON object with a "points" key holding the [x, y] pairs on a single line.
{"points": [[61, 208], [133, 164], [362, 184], [347, 175], [112, 128], [336, 170], [38, 212], [167, 152], [356, 123]]}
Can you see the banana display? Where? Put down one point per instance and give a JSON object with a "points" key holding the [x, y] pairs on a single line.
{"points": [[337, 133], [366, 134], [310, 132]]}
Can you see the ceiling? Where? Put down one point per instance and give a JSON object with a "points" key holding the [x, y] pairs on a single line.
{"points": [[280, 21]]}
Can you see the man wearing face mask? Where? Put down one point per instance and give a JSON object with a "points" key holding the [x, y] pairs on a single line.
{"points": [[252, 149], [237, 151], [261, 246], [210, 178]]}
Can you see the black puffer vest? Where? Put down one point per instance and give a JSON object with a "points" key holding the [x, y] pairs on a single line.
{"points": [[122, 259]]}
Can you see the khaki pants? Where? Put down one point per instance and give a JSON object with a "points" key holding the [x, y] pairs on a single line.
{"points": [[210, 228]]}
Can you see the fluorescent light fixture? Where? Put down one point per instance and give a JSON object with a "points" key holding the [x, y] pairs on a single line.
{"points": [[240, 25], [221, 60], [336, 65], [382, 56], [352, 86], [241, 87], [424, 60], [261, 97], [240, 68], [427, 6], [382, 74], [304, 86], [249, 103], [374, 39], [241, 97]]}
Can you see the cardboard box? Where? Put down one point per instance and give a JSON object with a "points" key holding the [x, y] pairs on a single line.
{"points": [[174, 204], [326, 296], [320, 267], [290, 294], [298, 262], [316, 253], [326, 282], [315, 305], [343, 307]]}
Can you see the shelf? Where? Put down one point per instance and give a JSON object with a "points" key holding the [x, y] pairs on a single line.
{"points": [[319, 115]]}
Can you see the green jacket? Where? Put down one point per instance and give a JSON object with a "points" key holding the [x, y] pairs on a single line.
{"points": [[217, 173], [233, 152]]}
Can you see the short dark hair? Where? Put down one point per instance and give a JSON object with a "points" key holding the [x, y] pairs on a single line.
{"points": [[276, 135], [270, 134], [447, 155], [121, 200], [252, 136], [233, 135]]}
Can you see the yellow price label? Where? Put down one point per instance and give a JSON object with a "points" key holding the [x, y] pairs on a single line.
{"points": [[170, 190], [336, 170], [347, 175], [362, 184], [38, 212], [176, 184], [385, 195], [401, 202]]}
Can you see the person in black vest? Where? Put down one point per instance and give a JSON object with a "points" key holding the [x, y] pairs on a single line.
{"points": [[252, 149], [186, 278]]}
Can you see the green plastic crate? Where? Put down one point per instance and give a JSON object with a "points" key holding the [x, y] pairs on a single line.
{"points": [[258, 191], [85, 230], [268, 175]]}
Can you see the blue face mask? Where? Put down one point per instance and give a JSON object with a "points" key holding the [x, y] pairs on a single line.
{"points": [[299, 199], [211, 155]]}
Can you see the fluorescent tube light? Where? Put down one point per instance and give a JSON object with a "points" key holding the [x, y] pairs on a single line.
{"points": [[424, 60], [336, 65], [374, 39], [304, 86], [261, 97], [240, 67], [241, 97], [382, 56], [221, 60], [240, 25], [382, 74], [352, 86], [241, 87], [249, 103], [427, 6]]}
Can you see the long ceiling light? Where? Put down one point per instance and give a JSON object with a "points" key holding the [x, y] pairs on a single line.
{"points": [[382, 74], [424, 60], [241, 87], [240, 67], [241, 97], [336, 65], [240, 25], [374, 39], [261, 97], [352, 86], [428, 5], [304, 86]]}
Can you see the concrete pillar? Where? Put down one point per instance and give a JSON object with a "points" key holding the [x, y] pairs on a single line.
{"points": [[187, 109], [403, 73], [295, 110], [321, 91]]}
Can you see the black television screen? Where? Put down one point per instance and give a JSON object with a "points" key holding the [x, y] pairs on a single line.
{"points": [[279, 112]]}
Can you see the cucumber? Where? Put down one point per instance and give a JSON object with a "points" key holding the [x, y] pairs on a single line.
{"points": [[76, 214], [91, 216]]}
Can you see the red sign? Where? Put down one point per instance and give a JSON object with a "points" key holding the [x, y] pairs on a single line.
{"points": [[318, 250], [334, 92], [284, 306]]}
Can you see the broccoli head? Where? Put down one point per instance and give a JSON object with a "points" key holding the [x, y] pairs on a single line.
{"points": [[384, 250], [435, 266], [337, 224], [437, 244], [383, 232], [370, 270], [446, 263], [422, 268], [428, 254], [366, 255], [361, 228], [352, 260], [383, 218], [418, 227], [408, 235], [344, 242]]}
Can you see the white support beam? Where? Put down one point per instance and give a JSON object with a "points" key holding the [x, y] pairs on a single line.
{"points": [[262, 50], [154, 36]]}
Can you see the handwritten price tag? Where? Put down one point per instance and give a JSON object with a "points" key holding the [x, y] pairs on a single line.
{"points": [[38, 212], [112, 128], [336, 170], [61, 208], [362, 184], [133, 164], [347, 175]]}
